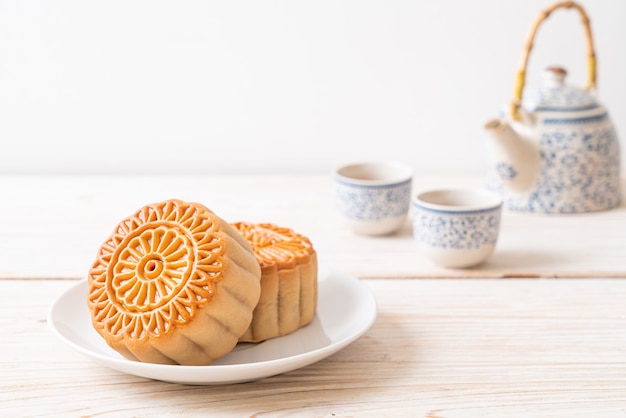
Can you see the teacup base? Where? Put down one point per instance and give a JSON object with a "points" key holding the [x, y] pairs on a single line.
{"points": [[457, 258], [385, 226]]}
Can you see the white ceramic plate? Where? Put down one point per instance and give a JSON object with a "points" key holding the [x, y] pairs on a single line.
{"points": [[346, 310]]}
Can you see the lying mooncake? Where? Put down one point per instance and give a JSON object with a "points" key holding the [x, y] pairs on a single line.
{"points": [[288, 281], [174, 284]]}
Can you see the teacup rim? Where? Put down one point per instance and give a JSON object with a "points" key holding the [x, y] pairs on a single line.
{"points": [[405, 173], [487, 201]]}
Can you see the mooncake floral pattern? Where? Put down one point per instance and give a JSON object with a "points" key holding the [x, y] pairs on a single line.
{"points": [[275, 245], [373, 203], [456, 230], [155, 270]]}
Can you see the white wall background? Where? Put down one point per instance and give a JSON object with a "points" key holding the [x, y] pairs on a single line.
{"points": [[141, 86]]}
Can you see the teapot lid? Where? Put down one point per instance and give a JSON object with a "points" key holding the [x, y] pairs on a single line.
{"points": [[557, 96]]}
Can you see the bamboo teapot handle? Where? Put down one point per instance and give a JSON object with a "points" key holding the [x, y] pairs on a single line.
{"points": [[521, 72]]}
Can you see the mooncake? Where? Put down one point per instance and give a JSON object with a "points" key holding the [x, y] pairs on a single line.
{"points": [[173, 284], [288, 280]]}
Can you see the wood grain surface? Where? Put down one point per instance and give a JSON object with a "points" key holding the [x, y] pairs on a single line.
{"points": [[537, 331], [66, 219], [439, 348]]}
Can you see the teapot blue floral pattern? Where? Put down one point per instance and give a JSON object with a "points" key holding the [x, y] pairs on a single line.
{"points": [[576, 147]]}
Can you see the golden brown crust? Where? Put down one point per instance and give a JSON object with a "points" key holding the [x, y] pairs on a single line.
{"points": [[288, 281], [173, 284]]}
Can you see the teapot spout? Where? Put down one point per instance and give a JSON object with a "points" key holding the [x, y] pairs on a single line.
{"points": [[516, 157]]}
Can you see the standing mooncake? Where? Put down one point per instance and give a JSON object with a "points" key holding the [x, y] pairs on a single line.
{"points": [[174, 284]]}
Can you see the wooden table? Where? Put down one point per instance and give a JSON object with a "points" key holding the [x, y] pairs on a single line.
{"points": [[539, 330]]}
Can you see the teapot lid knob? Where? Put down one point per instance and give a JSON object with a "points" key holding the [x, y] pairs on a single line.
{"points": [[554, 76]]}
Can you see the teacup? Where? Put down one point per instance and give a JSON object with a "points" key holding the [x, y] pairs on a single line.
{"points": [[457, 228], [373, 197]]}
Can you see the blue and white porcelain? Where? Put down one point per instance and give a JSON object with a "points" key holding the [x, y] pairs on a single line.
{"points": [[457, 228], [563, 156], [373, 197]]}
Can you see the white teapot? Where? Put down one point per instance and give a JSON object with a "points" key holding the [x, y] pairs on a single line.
{"points": [[557, 150]]}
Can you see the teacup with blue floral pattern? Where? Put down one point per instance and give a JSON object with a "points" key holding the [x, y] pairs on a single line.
{"points": [[457, 228], [373, 197]]}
